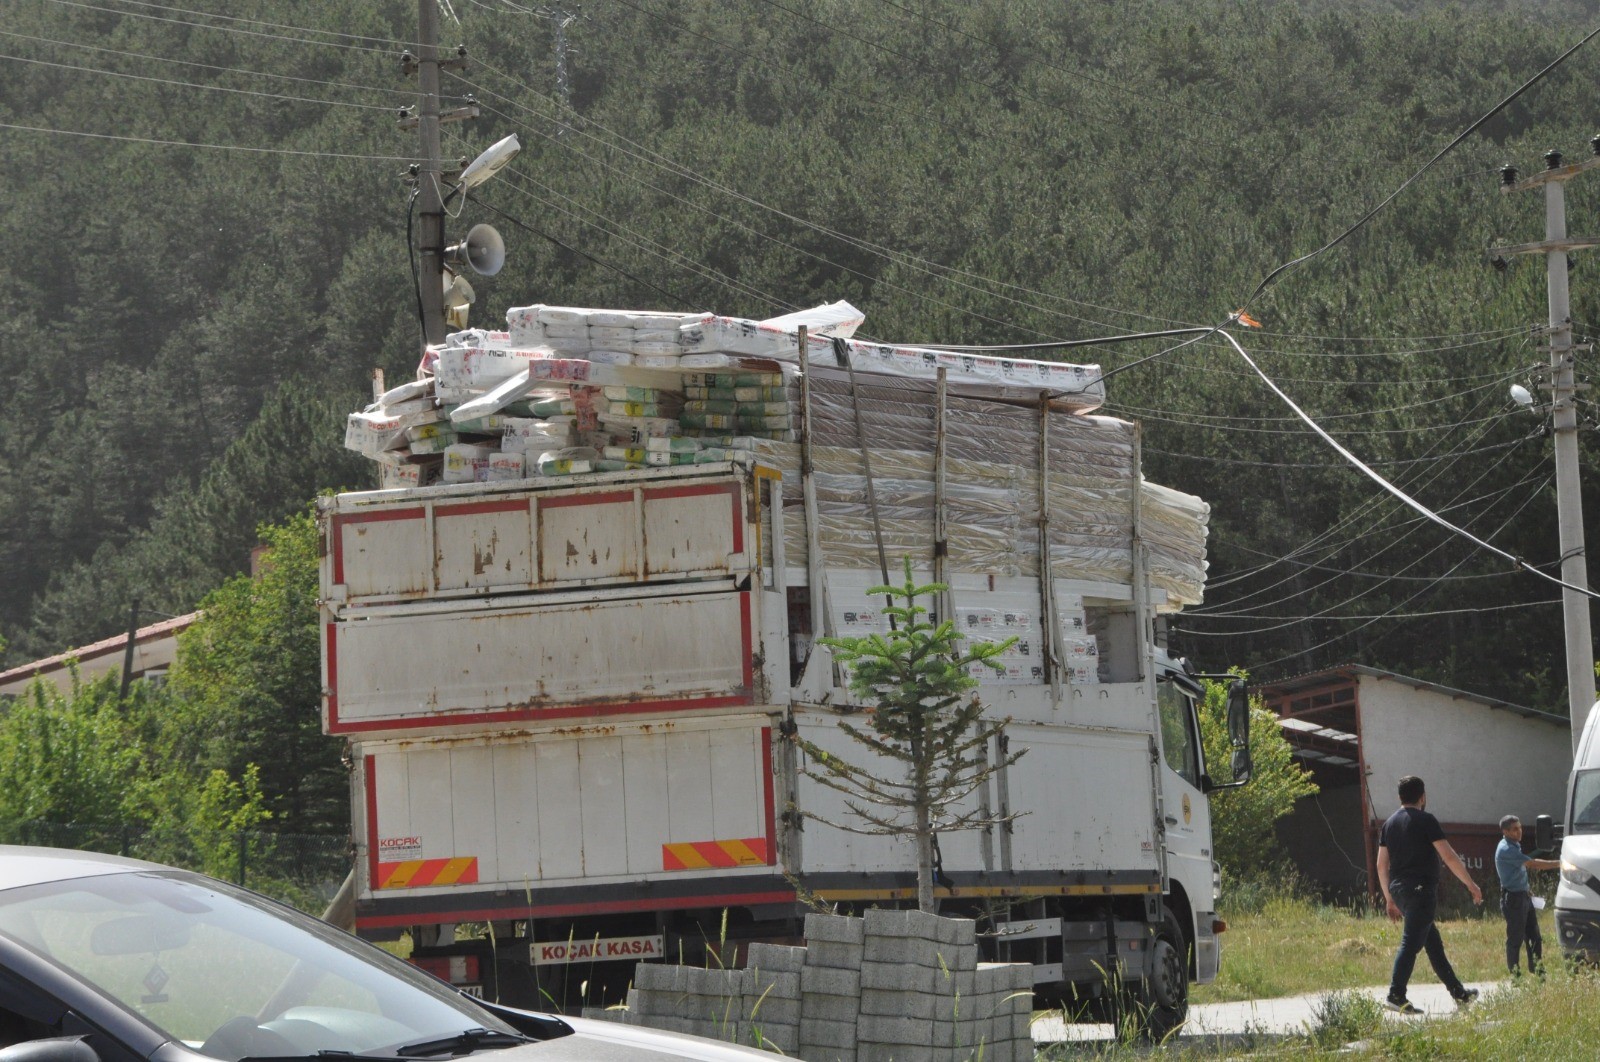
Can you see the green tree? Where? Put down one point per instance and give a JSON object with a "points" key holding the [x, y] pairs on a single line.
{"points": [[1242, 819], [248, 675], [929, 737], [68, 757]]}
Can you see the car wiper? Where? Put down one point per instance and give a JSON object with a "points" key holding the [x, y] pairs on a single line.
{"points": [[464, 1042]]}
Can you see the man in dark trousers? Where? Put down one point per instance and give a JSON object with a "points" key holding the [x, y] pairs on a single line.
{"points": [[1410, 849], [1516, 899]]}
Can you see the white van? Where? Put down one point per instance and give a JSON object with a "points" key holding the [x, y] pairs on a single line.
{"points": [[1578, 894]]}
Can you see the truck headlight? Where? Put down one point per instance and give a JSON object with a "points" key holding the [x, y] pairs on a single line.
{"points": [[1573, 874]]}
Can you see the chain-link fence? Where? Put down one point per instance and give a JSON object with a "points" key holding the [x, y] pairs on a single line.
{"points": [[304, 870]]}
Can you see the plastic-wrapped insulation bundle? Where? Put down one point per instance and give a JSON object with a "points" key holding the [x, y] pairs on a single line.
{"points": [[991, 488]]}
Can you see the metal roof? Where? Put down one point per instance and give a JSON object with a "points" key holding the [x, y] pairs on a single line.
{"points": [[1311, 680], [117, 643]]}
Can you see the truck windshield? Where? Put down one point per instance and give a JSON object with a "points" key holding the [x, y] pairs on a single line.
{"points": [[1585, 802]]}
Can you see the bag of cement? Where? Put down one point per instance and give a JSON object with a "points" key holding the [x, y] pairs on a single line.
{"points": [[567, 461], [635, 394], [494, 424], [436, 443], [610, 357], [639, 428], [404, 474], [681, 444], [608, 336], [406, 392], [709, 421], [643, 409], [507, 465], [656, 361], [466, 462], [700, 406], [463, 373], [712, 335], [666, 348], [536, 436], [634, 455], [477, 337], [720, 380], [763, 409], [374, 433], [563, 316], [639, 319], [712, 455], [744, 422], [736, 394], [658, 458]]}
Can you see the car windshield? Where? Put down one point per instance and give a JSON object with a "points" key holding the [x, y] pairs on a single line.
{"points": [[1585, 802], [229, 973]]}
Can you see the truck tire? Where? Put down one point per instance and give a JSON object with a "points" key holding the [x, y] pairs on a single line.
{"points": [[1161, 999]]}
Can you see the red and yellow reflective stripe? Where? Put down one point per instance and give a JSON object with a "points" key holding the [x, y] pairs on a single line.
{"points": [[711, 855], [415, 873]]}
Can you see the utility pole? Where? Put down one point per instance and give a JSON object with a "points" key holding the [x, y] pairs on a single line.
{"points": [[1564, 415], [562, 19], [430, 205], [429, 171]]}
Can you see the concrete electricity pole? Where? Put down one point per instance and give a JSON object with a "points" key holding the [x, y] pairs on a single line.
{"points": [[430, 205], [1564, 415], [426, 119]]}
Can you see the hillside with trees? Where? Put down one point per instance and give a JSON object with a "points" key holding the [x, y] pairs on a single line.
{"points": [[209, 227]]}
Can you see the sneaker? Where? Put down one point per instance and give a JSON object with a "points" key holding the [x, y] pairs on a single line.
{"points": [[1466, 997], [1402, 1006]]}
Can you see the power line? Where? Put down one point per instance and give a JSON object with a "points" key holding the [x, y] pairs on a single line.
{"points": [[209, 147], [147, 58], [192, 85], [1367, 471], [1443, 465], [380, 45]]}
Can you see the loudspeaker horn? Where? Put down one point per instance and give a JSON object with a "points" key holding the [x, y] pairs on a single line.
{"points": [[483, 251]]}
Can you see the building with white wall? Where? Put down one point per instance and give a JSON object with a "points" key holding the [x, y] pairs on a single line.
{"points": [[1359, 730]]}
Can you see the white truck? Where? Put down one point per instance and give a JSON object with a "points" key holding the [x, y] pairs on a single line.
{"points": [[1578, 892], [570, 699]]}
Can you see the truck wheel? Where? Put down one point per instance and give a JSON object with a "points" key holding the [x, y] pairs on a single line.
{"points": [[1161, 999]]}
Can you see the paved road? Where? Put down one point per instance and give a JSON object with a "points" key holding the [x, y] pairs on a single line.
{"points": [[1266, 1017]]}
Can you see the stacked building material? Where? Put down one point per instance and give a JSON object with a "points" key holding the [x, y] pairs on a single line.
{"points": [[892, 986], [543, 399]]}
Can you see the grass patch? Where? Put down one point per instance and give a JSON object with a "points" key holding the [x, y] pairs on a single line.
{"points": [[1289, 946], [1556, 1018]]}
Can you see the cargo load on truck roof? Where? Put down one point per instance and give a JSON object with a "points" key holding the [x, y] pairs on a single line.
{"points": [[569, 391]]}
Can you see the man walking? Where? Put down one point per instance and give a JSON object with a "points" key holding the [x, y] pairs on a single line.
{"points": [[1410, 849], [1516, 900]]}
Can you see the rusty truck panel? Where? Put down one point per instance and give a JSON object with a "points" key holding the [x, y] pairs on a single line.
{"points": [[537, 661], [389, 547]]}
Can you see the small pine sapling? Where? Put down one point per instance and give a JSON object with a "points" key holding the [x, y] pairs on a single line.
{"points": [[930, 737]]}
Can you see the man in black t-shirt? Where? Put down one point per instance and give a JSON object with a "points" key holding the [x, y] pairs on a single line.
{"points": [[1410, 849]]}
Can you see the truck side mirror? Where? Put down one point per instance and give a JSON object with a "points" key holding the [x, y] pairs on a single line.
{"points": [[1239, 731], [1544, 833]]}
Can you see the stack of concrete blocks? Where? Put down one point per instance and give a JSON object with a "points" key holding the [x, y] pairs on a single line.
{"points": [[758, 1006], [926, 998], [894, 986], [830, 988]]}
